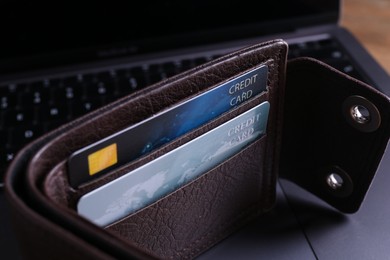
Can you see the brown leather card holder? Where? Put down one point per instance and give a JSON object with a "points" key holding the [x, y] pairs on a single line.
{"points": [[326, 131]]}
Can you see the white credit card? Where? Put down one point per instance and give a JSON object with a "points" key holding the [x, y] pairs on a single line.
{"points": [[150, 182]]}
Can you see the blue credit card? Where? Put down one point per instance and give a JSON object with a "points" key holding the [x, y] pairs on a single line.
{"points": [[150, 182], [141, 138]]}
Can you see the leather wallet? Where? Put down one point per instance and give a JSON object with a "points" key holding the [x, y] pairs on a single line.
{"points": [[326, 132]]}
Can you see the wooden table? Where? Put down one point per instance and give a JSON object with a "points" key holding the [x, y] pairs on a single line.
{"points": [[369, 21]]}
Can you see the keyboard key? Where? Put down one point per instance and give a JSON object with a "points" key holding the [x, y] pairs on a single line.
{"points": [[6, 156], [7, 101], [137, 72], [127, 85], [122, 73], [9, 155], [12, 88], [154, 78], [137, 81], [35, 97], [155, 73], [326, 43], [72, 80], [139, 76], [50, 113], [89, 78], [19, 117], [83, 107], [8, 97], [25, 134], [106, 76], [170, 68], [153, 69], [73, 92], [349, 69], [100, 89], [4, 138]]}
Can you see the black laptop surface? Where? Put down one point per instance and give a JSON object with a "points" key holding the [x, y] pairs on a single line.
{"points": [[59, 61]]}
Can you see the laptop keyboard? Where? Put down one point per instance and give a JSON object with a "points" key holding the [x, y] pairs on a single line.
{"points": [[29, 109], [328, 51]]}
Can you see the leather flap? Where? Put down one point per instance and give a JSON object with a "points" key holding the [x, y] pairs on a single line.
{"points": [[336, 130]]}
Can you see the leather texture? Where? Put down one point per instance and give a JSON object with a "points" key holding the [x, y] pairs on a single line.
{"points": [[180, 225], [309, 135]]}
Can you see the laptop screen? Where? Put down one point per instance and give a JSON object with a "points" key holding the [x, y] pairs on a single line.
{"points": [[38, 34]]}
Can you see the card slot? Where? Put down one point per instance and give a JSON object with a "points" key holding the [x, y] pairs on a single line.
{"points": [[120, 171], [161, 121], [58, 175], [172, 170], [108, 177], [230, 194], [197, 179]]}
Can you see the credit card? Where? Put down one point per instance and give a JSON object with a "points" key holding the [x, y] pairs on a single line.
{"points": [[148, 183], [141, 138]]}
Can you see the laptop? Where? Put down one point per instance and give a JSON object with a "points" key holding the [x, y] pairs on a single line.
{"points": [[59, 60]]}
